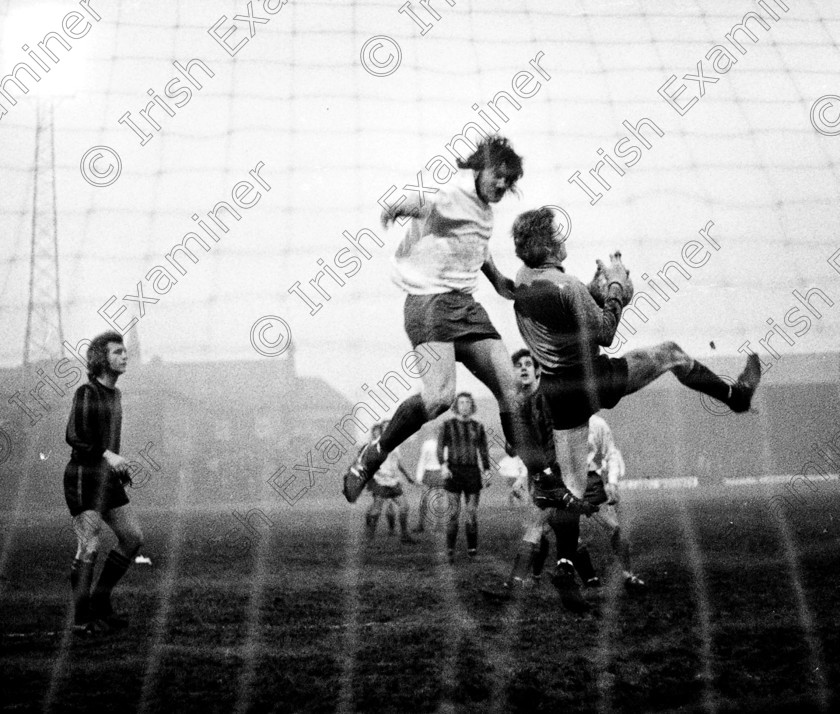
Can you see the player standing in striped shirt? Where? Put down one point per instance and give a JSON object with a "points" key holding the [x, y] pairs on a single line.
{"points": [[464, 463], [94, 487]]}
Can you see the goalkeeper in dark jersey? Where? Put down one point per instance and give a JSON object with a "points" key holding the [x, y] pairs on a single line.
{"points": [[94, 487], [564, 326]]}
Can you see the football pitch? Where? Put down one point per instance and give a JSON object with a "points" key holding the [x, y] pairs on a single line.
{"points": [[301, 613]]}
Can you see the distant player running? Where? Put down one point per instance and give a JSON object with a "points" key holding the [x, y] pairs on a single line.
{"points": [[564, 326], [437, 264], [386, 487], [93, 487]]}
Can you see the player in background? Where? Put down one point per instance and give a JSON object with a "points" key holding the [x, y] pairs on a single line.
{"points": [[464, 464], [429, 476], [564, 327], [605, 468], [515, 477], [437, 264], [93, 487], [387, 486], [541, 516]]}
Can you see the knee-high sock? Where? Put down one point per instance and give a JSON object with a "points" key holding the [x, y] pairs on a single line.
{"points": [[583, 564], [540, 557], [404, 522], [523, 441], [424, 507], [451, 534], [392, 520], [701, 379], [567, 532], [116, 565], [407, 420], [472, 535], [81, 577]]}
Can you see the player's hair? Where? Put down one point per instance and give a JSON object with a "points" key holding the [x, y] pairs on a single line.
{"points": [[468, 396], [494, 151], [97, 353], [534, 236], [524, 352]]}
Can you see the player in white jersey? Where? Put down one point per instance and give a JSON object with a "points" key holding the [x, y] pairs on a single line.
{"points": [[428, 474], [387, 486], [605, 468], [437, 264]]}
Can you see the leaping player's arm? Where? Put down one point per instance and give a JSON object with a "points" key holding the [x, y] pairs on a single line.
{"points": [[502, 285], [411, 207]]}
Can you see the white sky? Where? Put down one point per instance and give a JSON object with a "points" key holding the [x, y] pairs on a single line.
{"points": [[333, 138]]}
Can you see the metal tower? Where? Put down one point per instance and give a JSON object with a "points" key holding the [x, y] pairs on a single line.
{"points": [[44, 331]]}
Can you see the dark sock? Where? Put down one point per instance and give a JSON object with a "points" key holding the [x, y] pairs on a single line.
{"points": [[370, 523], [583, 564], [472, 536], [702, 379], [540, 557], [81, 577], [407, 420], [392, 521], [451, 535], [404, 522], [567, 532], [116, 564], [424, 507]]}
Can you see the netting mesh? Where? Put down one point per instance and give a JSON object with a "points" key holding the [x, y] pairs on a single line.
{"points": [[329, 139], [334, 138]]}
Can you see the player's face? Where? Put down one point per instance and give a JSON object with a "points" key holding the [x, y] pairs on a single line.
{"points": [[117, 358], [493, 182], [464, 406], [526, 370]]}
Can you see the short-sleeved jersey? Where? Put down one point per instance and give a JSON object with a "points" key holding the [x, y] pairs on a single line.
{"points": [[560, 321], [604, 456], [447, 243], [428, 460]]}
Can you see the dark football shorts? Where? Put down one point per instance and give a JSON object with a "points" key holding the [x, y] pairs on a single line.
{"points": [[92, 488], [573, 398], [465, 479], [385, 491], [433, 479], [595, 493], [446, 317]]}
